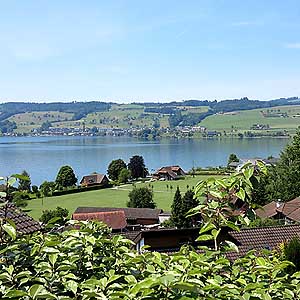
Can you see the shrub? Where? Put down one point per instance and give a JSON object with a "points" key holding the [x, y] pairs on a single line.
{"points": [[292, 253]]}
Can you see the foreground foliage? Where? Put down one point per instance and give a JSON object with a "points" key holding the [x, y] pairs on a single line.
{"points": [[87, 263]]}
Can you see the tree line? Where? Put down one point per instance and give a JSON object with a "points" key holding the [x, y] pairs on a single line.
{"points": [[80, 109]]}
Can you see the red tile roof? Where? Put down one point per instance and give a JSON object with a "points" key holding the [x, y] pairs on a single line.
{"points": [[113, 219], [24, 223]]}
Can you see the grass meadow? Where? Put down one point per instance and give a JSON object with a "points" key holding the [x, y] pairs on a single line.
{"points": [[243, 120], [113, 197]]}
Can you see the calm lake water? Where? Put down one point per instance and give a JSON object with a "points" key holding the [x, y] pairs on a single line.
{"points": [[43, 156]]}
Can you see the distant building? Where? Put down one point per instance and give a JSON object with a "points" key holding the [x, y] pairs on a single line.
{"points": [[169, 173], [94, 179]]}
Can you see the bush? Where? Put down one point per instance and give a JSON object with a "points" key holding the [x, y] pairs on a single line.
{"points": [[60, 213], [292, 253], [79, 189], [141, 197]]}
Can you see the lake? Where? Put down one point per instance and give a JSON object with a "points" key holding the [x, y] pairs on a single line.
{"points": [[42, 157]]}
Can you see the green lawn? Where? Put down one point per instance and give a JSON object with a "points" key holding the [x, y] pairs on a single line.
{"points": [[243, 120], [115, 197]]}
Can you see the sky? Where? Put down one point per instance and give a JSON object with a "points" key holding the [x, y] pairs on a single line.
{"points": [[148, 50]]}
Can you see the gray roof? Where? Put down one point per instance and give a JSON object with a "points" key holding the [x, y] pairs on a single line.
{"points": [[130, 213]]}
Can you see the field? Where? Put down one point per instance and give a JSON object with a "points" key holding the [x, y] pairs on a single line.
{"points": [[243, 120], [31, 120], [113, 197]]}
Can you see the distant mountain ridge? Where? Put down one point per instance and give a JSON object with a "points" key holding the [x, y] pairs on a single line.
{"points": [[175, 109]]}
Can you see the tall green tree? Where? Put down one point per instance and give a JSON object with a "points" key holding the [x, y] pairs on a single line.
{"points": [[283, 180], [189, 201], [25, 184], [115, 168], [141, 197], [180, 207], [66, 177], [177, 213], [137, 167]]}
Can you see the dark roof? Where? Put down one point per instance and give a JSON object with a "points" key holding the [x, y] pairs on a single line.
{"points": [[262, 238], [269, 210], [290, 209], [24, 223], [93, 178], [130, 213], [113, 219]]}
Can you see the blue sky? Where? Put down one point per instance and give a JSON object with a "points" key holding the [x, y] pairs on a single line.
{"points": [[149, 50]]}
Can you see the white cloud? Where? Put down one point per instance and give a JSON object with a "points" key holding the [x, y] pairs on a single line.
{"points": [[293, 46], [247, 23]]}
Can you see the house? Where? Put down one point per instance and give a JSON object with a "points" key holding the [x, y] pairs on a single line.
{"points": [[169, 173], [133, 216], [116, 220], [261, 238], [94, 179], [168, 240], [268, 162], [288, 211], [24, 223]]}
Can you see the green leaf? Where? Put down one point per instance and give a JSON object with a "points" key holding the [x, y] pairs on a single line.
{"points": [[15, 294], [11, 181], [207, 227], [216, 194], [230, 246], [248, 173], [215, 233], [241, 194], [233, 226], [10, 230], [20, 177], [72, 286], [35, 290], [53, 258], [3, 194], [205, 237]]}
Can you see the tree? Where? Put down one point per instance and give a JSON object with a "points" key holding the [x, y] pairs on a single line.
{"points": [[177, 214], [283, 179], [141, 197], [137, 167], [20, 198], [189, 201], [60, 213], [46, 188], [292, 253], [232, 158], [65, 177], [124, 176], [115, 167], [45, 126], [24, 184]]}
